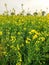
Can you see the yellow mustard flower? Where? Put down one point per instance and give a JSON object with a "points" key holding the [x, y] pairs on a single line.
{"points": [[4, 52], [37, 42], [0, 32], [18, 47], [30, 32], [18, 63], [13, 39], [19, 33], [20, 58], [43, 39], [28, 40], [33, 31], [35, 36], [22, 45], [11, 46], [37, 33], [24, 28]]}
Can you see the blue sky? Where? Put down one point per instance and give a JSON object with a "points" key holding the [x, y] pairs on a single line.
{"points": [[33, 5]]}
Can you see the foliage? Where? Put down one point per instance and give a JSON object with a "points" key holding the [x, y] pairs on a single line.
{"points": [[24, 40]]}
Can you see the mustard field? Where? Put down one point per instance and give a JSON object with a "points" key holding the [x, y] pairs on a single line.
{"points": [[24, 40]]}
